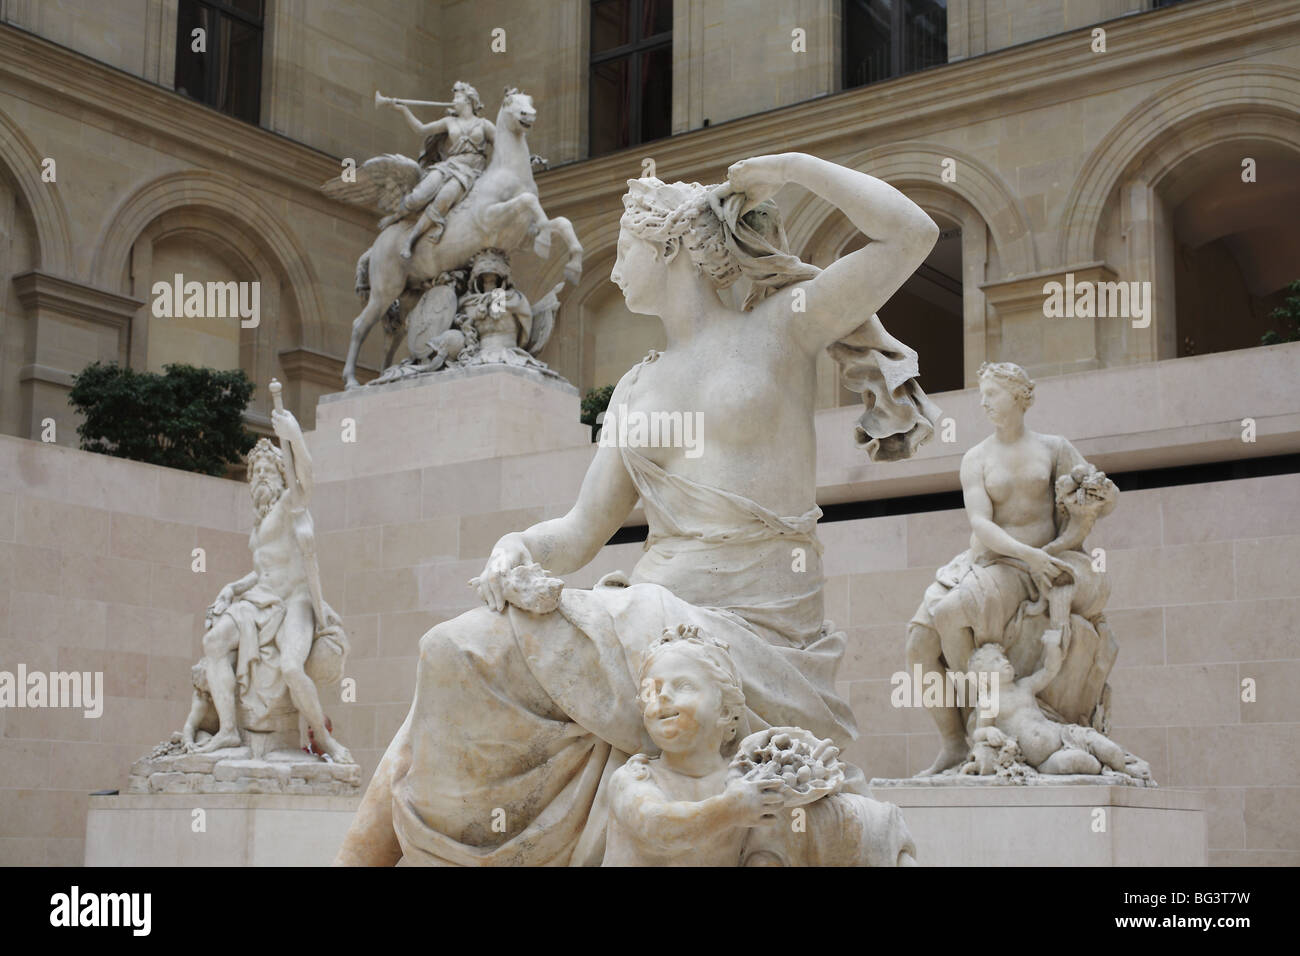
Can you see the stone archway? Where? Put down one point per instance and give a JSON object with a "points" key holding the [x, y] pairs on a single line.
{"points": [[1119, 209], [218, 212], [53, 229], [915, 169]]}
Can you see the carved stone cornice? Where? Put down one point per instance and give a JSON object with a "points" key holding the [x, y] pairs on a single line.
{"points": [[44, 72], [1025, 293], [1019, 78], [307, 365], [48, 293]]}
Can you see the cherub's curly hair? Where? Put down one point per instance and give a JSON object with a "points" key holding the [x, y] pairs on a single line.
{"points": [[716, 658], [1014, 378], [986, 658]]}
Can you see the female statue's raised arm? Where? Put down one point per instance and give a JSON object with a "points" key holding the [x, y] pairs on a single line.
{"points": [[418, 126], [854, 286]]}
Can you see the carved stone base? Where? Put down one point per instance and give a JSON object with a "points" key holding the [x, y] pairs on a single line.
{"points": [[1029, 779], [234, 829], [239, 770], [1063, 823]]}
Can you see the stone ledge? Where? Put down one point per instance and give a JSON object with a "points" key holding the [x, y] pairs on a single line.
{"points": [[444, 376], [235, 771], [911, 793]]}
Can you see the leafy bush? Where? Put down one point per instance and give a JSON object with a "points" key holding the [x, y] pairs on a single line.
{"points": [[1286, 315], [188, 418], [593, 403]]}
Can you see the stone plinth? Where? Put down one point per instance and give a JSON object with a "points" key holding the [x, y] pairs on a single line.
{"points": [[449, 416], [240, 770], [1051, 824], [236, 829]]}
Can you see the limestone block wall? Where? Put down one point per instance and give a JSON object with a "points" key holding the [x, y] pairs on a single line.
{"points": [[96, 558]]}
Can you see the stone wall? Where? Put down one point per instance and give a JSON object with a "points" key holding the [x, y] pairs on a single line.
{"points": [[95, 574]]}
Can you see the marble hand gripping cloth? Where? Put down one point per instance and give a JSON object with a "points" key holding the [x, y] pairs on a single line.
{"points": [[898, 416], [516, 730]]}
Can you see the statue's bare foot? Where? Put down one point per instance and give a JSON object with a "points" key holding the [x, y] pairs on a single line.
{"points": [[224, 739], [953, 753], [351, 382]]}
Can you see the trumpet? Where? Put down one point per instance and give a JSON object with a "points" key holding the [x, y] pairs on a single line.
{"points": [[381, 100]]}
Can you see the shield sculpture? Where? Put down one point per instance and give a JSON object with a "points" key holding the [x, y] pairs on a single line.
{"points": [[431, 317]]}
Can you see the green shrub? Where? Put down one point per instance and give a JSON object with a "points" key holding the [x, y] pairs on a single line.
{"points": [[188, 418], [593, 403], [1288, 316]]}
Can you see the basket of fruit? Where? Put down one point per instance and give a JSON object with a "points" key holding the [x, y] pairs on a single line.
{"points": [[806, 765]]}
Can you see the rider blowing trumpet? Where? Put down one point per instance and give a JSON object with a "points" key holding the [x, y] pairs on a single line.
{"points": [[455, 154]]}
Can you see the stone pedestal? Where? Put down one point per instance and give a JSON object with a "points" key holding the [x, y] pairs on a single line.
{"points": [[236, 829], [453, 415], [1051, 825]]}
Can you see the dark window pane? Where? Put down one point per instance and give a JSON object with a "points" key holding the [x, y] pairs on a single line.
{"points": [[611, 106], [252, 8], [228, 74], [241, 84], [611, 24], [925, 34], [656, 93], [192, 68], [656, 17], [868, 28], [884, 38]]}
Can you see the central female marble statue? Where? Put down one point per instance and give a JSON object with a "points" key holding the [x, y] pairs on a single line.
{"points": [[520, 718]]}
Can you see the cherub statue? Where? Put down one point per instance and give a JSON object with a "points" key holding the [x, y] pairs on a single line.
{"points": [[1015, 730], [679, 809], [712, 798]]}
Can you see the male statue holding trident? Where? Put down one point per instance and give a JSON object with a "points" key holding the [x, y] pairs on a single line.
{"points": [[271, 628]]}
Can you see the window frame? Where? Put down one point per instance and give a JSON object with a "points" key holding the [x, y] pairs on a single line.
{"points": [[633, 52], [213, 54]]}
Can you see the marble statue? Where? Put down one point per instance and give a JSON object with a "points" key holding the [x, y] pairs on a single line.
{"points": [[523, 714], [479, 320], [1017, 733], [711, 799], [455, 154], [269, 638], [1025, 602], [473, 190]]}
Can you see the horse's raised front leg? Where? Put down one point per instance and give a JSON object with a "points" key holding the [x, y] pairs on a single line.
{"points": [[524, 209], [573, 269]]}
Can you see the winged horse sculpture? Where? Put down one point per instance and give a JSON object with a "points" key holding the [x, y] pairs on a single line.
{"points": [[501, 211]]}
